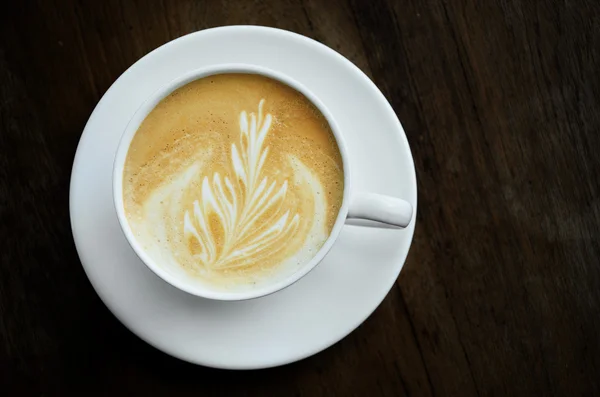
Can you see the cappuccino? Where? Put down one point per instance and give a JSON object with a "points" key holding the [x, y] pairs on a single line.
{"points": [[234, 179]]}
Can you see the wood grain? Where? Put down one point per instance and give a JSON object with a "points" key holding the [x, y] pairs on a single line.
{"points": [[500, 294]]}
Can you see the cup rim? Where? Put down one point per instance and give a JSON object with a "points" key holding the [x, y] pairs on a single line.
{"points": [[123, 148]]}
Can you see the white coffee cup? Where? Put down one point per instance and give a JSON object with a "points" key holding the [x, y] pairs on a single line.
{"points": [[358, 205]]}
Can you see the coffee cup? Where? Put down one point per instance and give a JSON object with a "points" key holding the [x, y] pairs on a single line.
{"points": [[368, 206]]}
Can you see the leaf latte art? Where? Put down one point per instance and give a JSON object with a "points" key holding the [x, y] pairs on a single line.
{"points": [[238, 208], [233, 179]]}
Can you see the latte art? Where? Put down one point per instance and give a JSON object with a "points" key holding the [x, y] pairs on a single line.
{"points": [[238, 208], [233, 179]]}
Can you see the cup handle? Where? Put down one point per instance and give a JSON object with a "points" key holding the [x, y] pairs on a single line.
{"points": [[377, 207]]}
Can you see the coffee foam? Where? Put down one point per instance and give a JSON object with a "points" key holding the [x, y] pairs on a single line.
{"points": [[234, 179]]}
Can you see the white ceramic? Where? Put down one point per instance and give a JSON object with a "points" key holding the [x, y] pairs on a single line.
{"points": [[369, 206], [298, 321]]}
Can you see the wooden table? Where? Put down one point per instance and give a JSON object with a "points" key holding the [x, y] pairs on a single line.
{"points": [[501, 291]]}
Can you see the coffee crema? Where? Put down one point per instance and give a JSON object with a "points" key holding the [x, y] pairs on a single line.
{"points": [[235, 178]]}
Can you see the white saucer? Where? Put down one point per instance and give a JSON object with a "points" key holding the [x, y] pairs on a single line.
{"points": [[301, 320]]}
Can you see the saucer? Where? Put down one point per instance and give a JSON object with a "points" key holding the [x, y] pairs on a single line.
{"points": [[301, 320]]}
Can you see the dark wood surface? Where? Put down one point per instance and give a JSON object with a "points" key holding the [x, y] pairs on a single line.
{"points": [[500, 294]]}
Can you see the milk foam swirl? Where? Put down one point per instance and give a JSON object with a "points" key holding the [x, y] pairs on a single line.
{"points": [[239, 205], [233, 179]]}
